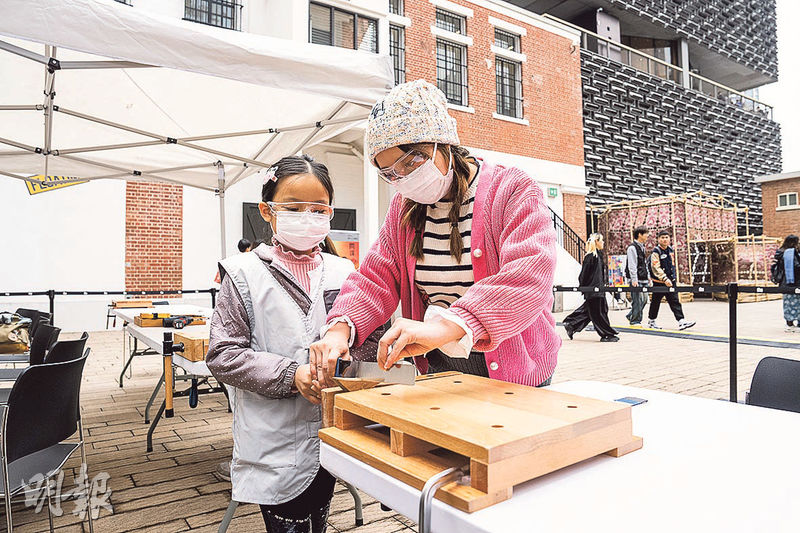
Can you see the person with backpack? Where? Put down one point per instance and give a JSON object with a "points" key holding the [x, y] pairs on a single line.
{"points": [[663, 272], [786, 273], [637, 274]]}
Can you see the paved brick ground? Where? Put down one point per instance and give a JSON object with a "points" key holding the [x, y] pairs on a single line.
{"points": [[174, 489]]}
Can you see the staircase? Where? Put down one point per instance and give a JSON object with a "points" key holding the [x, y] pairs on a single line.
{"points": [[567, 238]]}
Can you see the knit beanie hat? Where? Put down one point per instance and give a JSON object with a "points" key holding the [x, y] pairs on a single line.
{"points": [[413, 112]]}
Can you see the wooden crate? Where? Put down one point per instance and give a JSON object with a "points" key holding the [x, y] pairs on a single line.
{"points": [[750, 297], [156, 320], [132, 303], [504, 433], [148, 322], [195, 343]]}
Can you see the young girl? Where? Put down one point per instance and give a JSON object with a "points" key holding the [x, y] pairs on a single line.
{"points": [[271, 306]]}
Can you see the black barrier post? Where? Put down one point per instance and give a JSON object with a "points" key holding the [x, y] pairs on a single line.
{"points": [[733, 297], [51, 295], [213, 291]]}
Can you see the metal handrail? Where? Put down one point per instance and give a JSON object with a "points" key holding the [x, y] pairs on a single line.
{"points": [[567, 237], [756, 105]]}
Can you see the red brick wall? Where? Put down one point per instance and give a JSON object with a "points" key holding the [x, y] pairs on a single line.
{"points": [[779, 223], [551, 86], [575, 213], [551, 89], [153, 236]]}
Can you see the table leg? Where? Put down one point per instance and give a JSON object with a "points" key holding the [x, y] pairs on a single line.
{"points": [[152, 399], [169, 385], [153, 427], [359, 508], [125, 368], [226, 520]]}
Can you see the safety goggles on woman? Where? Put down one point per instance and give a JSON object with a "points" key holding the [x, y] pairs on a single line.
{"points": [[405, 164], [301, 207]]}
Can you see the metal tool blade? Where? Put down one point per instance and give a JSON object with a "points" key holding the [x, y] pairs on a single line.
{"points": [[403, 373]]}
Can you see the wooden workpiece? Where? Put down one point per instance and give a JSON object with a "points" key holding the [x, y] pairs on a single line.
{"points": [[506, 433], [195, 343]]}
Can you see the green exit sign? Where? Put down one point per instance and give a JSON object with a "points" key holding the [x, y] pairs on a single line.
{"points": [[552, 192]]}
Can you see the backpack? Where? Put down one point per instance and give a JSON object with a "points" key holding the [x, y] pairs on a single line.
{"points": [[14, 333], [777, 271]]}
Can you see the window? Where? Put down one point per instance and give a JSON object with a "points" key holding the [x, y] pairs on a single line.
{"points": [[334, 27], [506, 40], [220, 13], [397, 49], [451, 22], [451, 71], [787, 200], [509, 87], [396, 7]]}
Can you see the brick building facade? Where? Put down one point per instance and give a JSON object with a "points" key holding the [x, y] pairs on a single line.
{"points": [[780, 199], [547, 124], [153, 236]]}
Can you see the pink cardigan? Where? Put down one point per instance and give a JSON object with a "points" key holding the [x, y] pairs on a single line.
{"points": [[513, 258]]}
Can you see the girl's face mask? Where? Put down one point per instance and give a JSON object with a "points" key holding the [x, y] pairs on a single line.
{"points": [[303, 230], [426, 184]]}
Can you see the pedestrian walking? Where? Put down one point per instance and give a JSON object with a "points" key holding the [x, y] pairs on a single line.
{"points": [[637, 274], [786, 273], [594, 273], [663, 273]]}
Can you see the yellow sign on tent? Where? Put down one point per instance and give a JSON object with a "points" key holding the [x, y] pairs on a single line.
{"points": [[50, 183]]}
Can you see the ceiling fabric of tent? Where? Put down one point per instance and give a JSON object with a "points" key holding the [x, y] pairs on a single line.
{"points": [[166, 124]]}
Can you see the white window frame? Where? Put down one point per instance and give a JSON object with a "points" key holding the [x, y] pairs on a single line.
{"points": [[453, 8], [518, 78], [465, 67], [788, 206]]}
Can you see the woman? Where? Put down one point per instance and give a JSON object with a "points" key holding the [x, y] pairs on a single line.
{"points": [[788, 267], [594, 273], [467, 248]]}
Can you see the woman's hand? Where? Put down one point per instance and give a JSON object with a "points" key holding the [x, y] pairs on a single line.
{"points": [[408, 338], [324, 353], [306, 385]]}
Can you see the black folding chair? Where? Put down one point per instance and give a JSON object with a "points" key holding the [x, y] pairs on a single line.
{"points": [[776, 384], [73, 350], [44, 339], [35, 426]]}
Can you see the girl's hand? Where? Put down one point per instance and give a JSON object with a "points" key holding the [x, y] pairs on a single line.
{"points": [[408, 338], [323, 354], [307, 386]]}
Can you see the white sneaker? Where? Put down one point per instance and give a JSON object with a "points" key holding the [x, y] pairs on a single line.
{"points": [[652, 324], [792, 329], [686, 324]]}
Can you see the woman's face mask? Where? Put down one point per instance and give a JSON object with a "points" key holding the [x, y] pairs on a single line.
{"points": [[303, 230], [426, 184]]}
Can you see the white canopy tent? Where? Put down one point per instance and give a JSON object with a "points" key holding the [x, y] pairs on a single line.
{"points": [[118, 93]]}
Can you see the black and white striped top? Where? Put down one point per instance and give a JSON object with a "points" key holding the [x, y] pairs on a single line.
{"points": [[440, 278]]}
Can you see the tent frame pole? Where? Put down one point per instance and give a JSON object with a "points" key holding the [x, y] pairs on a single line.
{"points": [[221, 194]]}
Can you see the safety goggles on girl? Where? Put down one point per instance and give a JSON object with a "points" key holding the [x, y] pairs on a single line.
{"points": [[301, 207]]}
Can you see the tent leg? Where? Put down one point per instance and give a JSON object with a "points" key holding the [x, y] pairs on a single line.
{"points": [[221, 193]]}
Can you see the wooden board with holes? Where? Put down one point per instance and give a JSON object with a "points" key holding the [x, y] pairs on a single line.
{"points": [[507, 433]]}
